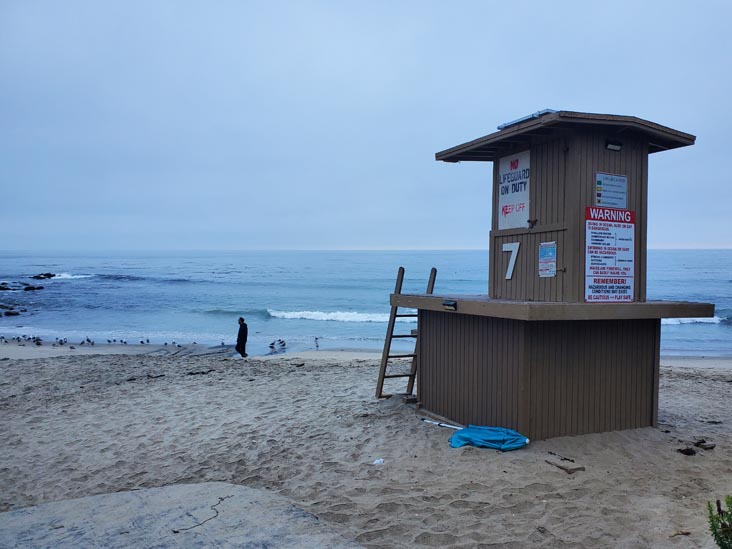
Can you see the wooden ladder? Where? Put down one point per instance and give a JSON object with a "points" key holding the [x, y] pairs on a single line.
{"points": [[390, 335]]}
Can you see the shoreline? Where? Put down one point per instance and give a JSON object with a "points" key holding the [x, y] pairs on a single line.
{"points": [[28, 351]]}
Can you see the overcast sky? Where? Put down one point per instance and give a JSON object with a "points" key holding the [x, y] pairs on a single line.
{"points": [[313, 125]]}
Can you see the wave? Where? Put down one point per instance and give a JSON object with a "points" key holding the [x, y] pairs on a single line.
{"points": [[258, 313], [69, 276], [713, 320], [336, 316], [121, 278], [137, 278]]}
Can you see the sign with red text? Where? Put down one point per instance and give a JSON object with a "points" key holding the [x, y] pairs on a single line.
{"points": [[514, 173], [609, 254]]}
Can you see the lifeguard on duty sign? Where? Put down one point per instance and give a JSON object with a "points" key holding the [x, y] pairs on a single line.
{"points": [[609, 254]]}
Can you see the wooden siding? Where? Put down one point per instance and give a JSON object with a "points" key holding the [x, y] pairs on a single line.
{"points": [[544, 379], [525, 285], [562, 185], [591, 376], [587, 156], [546, 206], [469, 368]]}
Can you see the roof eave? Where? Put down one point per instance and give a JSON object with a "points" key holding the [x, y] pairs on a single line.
{"points": [[486, 149]]}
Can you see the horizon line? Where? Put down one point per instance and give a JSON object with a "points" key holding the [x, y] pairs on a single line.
{"points": [[239, 250]]}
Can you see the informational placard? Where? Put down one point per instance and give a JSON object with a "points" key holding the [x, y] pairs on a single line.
{"points": [[547, 259], [611, 191], [514, 173], [609, 255]]}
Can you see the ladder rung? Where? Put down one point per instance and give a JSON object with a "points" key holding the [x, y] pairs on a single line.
{"points": [[402, 356], [399, 375], [404, 335], [410, 315]]}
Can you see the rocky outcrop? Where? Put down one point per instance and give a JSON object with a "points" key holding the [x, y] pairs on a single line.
{"points": [[43, 276]]}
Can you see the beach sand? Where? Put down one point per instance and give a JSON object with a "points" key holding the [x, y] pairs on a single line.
{"points": [[308, 429]]}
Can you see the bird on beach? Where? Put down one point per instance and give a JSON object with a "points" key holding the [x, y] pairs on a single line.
{"points": [[142, 342], [147, 340], [272, 345], [109, 341]]}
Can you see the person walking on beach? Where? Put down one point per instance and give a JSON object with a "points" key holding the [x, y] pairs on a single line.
{"points": [[241, 338]]}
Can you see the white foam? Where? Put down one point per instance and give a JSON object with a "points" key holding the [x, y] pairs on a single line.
{"points": [[69, 276], [337, 316], [713, 320]]}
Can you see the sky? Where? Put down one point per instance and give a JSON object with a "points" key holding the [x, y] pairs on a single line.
{"points": [[177, 125]]}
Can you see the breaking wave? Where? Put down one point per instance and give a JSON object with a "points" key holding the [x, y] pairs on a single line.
{"points": [[248, 313], [677, 321], [69, 276], [336, 316]]}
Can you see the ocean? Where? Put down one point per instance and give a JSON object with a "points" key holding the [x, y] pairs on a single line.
{"points": [[339, 297]]}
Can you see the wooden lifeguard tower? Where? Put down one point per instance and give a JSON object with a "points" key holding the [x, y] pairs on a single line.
{"points": [[565, 342]]}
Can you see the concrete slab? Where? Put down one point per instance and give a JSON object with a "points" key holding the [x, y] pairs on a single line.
{"points": [[213, 514]]}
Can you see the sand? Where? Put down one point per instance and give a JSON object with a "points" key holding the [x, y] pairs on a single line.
{"points": [[308, 429]]}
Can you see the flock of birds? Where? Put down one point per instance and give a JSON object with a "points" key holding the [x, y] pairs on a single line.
{"points": [[61, 341], [277, 346]]}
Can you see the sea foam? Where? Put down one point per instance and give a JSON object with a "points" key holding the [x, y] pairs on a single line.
{"points": [[337, 316], [677, 321], [69, 276]]}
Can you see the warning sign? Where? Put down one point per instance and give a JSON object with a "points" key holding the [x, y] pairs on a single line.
{"points": [[609, 254], [514, 174]]}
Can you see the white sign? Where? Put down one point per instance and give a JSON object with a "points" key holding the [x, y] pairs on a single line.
{"points": [[513, 190], [547, 259], [611, 191], [609, 254]]}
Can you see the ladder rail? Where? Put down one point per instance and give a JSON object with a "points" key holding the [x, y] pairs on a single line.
{"points": [[390, 336], [415, 360], [389, 332]]}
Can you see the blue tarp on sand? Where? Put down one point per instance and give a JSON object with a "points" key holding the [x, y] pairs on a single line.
{"points": [[489, 437]]}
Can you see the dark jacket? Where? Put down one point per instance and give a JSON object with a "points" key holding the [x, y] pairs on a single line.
{"points": [[241, 339]]}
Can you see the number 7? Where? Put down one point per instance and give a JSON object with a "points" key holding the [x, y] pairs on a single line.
{"points": [[512, 247]]}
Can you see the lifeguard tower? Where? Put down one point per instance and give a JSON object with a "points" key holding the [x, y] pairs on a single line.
{"points": [[565, 342]]}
